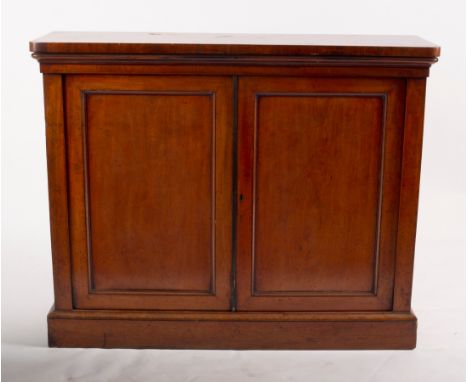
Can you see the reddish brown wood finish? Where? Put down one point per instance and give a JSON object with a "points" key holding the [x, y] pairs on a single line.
{"points": [[58, 192], [255, 193], [149, 158], [319, 169], [233, 44], [409, 192], [232, 331]]}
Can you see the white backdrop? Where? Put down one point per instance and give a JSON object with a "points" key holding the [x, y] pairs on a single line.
{"points": [[439, 292]]}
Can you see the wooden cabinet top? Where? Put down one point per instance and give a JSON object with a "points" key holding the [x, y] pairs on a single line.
{"points": [[234, 44]]}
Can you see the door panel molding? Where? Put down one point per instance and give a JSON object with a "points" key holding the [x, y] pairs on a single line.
{"points": [[373, 290], [85, 94]]}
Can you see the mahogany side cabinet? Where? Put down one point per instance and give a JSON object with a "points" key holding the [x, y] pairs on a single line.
{"points": [[233, 191]]}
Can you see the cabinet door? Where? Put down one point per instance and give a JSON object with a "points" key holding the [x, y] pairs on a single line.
{"points": [[318, 187], [150, 181]]}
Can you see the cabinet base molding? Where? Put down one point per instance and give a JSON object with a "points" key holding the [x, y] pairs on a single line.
{"points": [[236, 330]]}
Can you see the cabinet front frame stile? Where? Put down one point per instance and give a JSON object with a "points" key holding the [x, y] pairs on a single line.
{"points": [[409, 193], [301, 315], [58, 190]]}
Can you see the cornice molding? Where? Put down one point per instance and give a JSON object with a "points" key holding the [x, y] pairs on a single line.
{"points": [[245, 60]]}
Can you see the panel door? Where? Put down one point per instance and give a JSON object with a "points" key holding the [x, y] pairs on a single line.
{"points": [[150, 179], [318, 188]]}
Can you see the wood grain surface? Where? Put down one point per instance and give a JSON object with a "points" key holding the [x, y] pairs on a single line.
{"points": [[150, 188], [319, 178], [221, 191], [226, 43]]}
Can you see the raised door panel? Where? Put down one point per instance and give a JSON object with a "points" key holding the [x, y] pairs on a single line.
{"points": [[150, 169], [319, 168]]}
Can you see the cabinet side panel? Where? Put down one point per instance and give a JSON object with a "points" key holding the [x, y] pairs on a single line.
{"points": [[58, 200], [409, 193]]}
